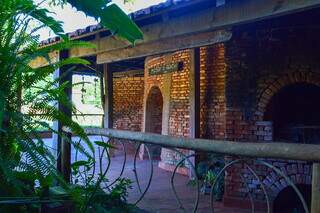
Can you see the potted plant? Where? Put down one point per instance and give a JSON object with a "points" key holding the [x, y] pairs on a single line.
{"points": [[208, 171]]}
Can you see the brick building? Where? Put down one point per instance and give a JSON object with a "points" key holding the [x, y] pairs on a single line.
{"points": [[227, 70]]}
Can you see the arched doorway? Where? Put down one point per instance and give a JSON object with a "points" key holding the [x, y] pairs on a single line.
{"points": [[153, 119], [287, 201], [294, 111]]}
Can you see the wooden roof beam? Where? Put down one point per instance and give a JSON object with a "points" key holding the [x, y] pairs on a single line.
{"points": [[193, 25]]}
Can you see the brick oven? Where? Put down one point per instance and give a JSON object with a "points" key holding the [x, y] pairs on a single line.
{"points": [[260, 85], [228, 70], [272, 94]]}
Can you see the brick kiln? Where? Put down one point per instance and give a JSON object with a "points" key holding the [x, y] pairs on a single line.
{"points": [[262, 85], [226, 69]]}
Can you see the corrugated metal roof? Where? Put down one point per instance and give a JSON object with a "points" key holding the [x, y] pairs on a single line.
{"points": [[140, 14]]}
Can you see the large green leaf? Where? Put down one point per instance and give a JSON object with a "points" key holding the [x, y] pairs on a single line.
{"points": [[111, 17], [90, 8]]}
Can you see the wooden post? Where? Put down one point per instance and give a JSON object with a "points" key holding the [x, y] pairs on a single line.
{"points": [[195, 93], [194, 97], [64, 147], [108, 99], [100, 70], [315, 202]]}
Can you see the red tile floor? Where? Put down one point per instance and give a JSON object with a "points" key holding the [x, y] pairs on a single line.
{"points": [[160, 197]]}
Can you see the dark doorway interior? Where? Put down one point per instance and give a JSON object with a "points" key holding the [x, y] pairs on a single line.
{"points": [[295, 113], [288, 201], [153, 123]]}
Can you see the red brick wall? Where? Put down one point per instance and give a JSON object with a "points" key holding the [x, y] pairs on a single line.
{"points": [[213, 102], [179, 90], [128, 103], [175, 89], [212, 92], [179, 97], [260, 61]]}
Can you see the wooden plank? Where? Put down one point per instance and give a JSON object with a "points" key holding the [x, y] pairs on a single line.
{"points": [[315, 202], [276, 150], [108, 99], [83, 52], [165, 46], [42, 62], [211, 19]]}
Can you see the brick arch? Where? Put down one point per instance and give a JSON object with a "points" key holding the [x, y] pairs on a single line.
{"points": [[285, 80], [298, 172], [148, 96], [152, 87], [153, 118], [154, 90]]}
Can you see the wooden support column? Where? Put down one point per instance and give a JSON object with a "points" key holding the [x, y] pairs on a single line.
{"points": [[195, 93], [100, 70], [64, 146], [315, 203], [108, 98], [194, 96]]}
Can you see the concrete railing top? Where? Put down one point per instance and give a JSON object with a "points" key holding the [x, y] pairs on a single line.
{"points": [[277, 150]]}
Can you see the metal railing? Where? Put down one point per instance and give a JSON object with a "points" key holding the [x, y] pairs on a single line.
{"points": [[244, 153]]}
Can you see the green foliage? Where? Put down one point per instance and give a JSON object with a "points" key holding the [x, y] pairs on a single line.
{"points": [[28, 175], [90, 189], [113, 18], [20, 154], [104, 145], [210, 177]]}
